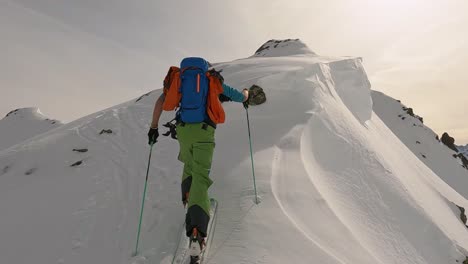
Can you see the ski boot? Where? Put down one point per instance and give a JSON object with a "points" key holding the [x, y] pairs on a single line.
{"points": [[197, 245]]}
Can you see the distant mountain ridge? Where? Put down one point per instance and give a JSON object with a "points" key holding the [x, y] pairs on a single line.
{"points": [[463, 150], [24, 123]]}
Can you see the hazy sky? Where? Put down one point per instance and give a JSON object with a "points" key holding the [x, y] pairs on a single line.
{"points": [[71, 58]]}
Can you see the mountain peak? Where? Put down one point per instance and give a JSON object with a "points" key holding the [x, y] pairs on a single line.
{"points": [[286, 47], [31, 113], [22, 124]]}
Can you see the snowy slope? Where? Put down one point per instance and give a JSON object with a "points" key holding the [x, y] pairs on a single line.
{"points": [[21, 124], [463, 149], [335, 184], [422, 141]]}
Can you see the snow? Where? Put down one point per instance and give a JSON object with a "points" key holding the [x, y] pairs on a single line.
{"points": [[336, 183], [463, 149], [422, 141], [22, 124]]}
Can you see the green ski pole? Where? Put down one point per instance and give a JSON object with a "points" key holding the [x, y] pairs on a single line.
{"points": [[143, 201], [251, 155]]}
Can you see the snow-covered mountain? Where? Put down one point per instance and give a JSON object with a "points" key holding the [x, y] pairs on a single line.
{"points": [[22, 124], [463, 149], [422, 141], [335, 183]]}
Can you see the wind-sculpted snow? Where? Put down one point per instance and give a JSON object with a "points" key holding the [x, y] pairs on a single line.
{"points": [[335, 185]]}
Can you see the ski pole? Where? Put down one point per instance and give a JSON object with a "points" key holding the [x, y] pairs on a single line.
{"points": [[143, 201], [251, 156]]}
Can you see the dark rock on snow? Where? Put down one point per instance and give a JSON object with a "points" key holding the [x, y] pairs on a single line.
{"points": [[107, 131], [449, 141], [81, 150], [78, 163], [30, 171]]}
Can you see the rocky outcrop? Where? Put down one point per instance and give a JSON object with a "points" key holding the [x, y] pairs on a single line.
{"points": [[286, 47], [462, 214], [449, 141], [410, 112], [463, 159]]}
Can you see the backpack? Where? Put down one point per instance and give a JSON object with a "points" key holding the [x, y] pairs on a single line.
{"points": [[195, 91]]}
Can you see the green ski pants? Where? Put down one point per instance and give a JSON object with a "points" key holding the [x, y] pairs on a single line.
{"points": [[196, 152]]}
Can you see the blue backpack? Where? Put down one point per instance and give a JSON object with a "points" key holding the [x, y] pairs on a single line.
{"points": [[194, 89]]}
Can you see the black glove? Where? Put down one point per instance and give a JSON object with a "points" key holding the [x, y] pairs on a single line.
{"points": [[256, 96], [153, 135]]}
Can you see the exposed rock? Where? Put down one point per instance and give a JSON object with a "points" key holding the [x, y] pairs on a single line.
{"points": [[81, 150], [403, 118], [449, 141], [462, 215], [5, 169], [287, 47], [417, 142], [141, 97], [107, 131], [12, 112], [424, 156], [30, 171], [437, 137], [78, 163], [410, 112], [463, 159]]}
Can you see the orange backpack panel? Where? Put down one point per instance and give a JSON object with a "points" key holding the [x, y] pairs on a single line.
{"points": [[171, 89], [213, 105]]}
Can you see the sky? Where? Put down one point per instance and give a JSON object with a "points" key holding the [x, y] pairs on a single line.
{"points": [[72, 58]]}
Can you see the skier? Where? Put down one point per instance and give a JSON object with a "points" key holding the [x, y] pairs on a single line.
{"points": [[196, 91]]}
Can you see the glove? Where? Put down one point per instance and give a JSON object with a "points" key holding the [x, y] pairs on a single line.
{"points": [[256, 96], [153, 135]]}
